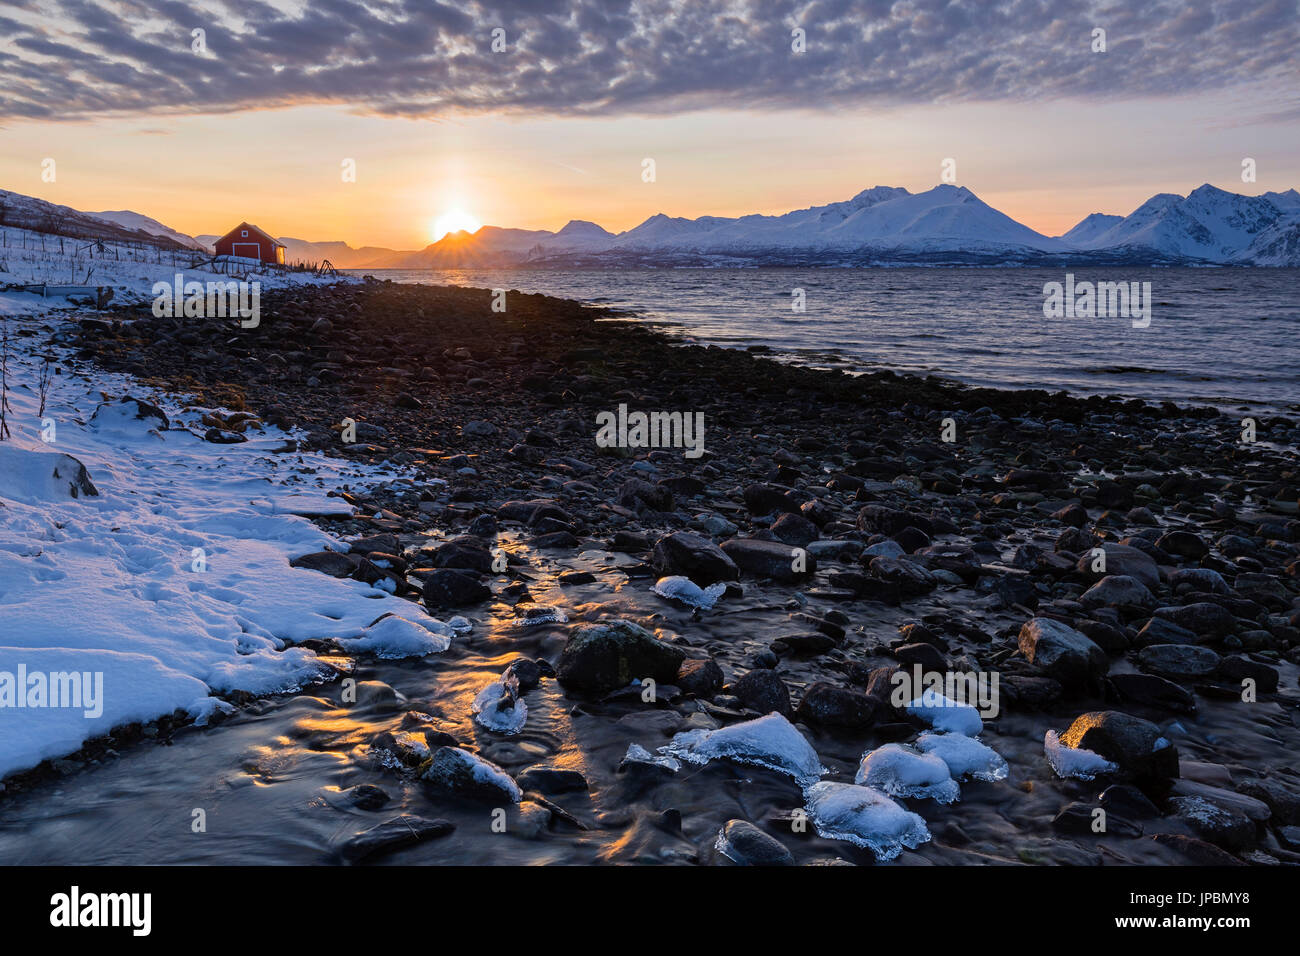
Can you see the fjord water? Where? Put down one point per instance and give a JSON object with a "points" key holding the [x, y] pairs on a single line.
{"points": [[1226, 337]]}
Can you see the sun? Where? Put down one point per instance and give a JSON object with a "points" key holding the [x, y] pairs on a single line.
{"points": [[454, 220]]}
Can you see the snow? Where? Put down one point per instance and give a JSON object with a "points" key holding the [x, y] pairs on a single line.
{"points": [[142, 223], [943, 713], [903, 771], [866, 817], [770, 741], [683, 589], [965, 756], [497, 711], [174, 581], [1074, 762]]}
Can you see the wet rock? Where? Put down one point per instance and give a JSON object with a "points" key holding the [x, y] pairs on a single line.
{"points": [[465, 552], [1030, 693], [909, 577], [1061, 652], [391, 835], [367, 796], [463, 774], [638, 495], [551, 781], [770, 559], [764, 499], [743, 843], [478, 429], [602, 657], [1126, 800], [805, 645], [1178, 661], [1136, 745], [927, 655], [1198, 852], [1183, 544], [795, 530], [1153, 691], [334, 563], [695, 557], [1118, 590], [1073, 514], [763, 691], [1125, 560], [1160, 631], [1282, 801], [1237, 669], [1203, 618], [880, 519], [701, 677], [453, 588], [827, 705], [1199, 579], [1221, 826]]}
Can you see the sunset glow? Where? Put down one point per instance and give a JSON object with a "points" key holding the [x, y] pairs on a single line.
{"points": [[454, 220]]}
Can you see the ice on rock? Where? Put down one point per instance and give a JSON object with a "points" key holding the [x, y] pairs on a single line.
{"points": [[945, 714], [965, 756], [531, 614], [770, 741], [395, 637], [638, 754], [497, 707], [866, 817], [903, 771], [1074, 762], [683, 589]]}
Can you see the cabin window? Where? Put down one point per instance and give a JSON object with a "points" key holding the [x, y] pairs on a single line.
{"points": [[243, 234]]}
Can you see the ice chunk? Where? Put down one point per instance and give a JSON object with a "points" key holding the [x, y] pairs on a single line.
{"points": [[867, 817], [903, 771], [394, 637], [497, 707], [946, 714], [965, 756], [770, 741], [638, 754], [1074, 762], [683, 589]]}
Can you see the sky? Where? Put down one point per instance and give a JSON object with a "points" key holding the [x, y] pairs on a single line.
{"points": [[262, 114]]}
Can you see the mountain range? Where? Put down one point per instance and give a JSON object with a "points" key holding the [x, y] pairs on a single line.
{"points": [[884, 225]]}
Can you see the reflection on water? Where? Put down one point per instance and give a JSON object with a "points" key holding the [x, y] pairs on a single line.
{"points": [[1217, 335]]}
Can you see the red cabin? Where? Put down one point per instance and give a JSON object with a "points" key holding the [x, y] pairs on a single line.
{"points": [[249, 242]]}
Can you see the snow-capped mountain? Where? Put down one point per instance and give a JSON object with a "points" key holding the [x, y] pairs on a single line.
{"points": [[1209, 225], [38, 215], [1089, 228], [142, 223]]}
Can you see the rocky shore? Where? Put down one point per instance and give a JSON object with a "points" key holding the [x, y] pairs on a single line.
{"points": [[1129, 574]]}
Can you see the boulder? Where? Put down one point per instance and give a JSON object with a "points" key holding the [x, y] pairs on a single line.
{"points": [[602, 657], [1061, 652], [695, 557]]}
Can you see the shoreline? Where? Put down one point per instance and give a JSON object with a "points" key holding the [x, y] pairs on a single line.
{"points": [[913, 542]]}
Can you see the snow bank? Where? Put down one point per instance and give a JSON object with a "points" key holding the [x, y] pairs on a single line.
{"points": [[174, 581], [770, 741]]}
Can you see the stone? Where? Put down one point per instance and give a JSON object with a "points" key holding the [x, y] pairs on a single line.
{"points": [[1153, 691], [463, 774], [770, 559], [396, 834], [1178, 661], [1136, 745], [1125, 560], [701, 677], [827, 705], [454, 587], [743, 843], [694, 556], [1202, 618], [763, 691], [602, 657], [1118, 590], [334, 563], [1061, 652]]}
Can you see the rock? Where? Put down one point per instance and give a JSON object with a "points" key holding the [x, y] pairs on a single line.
{"points": [[1136, 745], [1203, 618], [1178, 661], [763, 691], [804, 644], [1283, 801], [910, 578], [1126, 800], [763, 499], [1237, 669], [465, 552], [1061, 652], [478, 429], [770, 559], [37, 476], [743, 843], [1199, 579], [221, 436], [1125, 560], [1183, 544], [639, 495], [1197, 851], [549, 781], [602, 657], [463, 774], [398, 833], [827, 705], [334, 563], [1118, 590], [695, 557], [1160, 631], [453, 587], [795, 529], [701, 677], [927, 655], [1153, 691], [1221, 826], [367, 796], [879, 519], [1257, 810], [1073, 514]]}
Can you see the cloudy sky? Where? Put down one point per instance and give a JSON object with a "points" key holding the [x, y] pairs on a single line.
{"points": [[532, 113]]}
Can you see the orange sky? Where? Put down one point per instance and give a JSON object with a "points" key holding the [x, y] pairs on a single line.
{"points": [[1047, 165]]}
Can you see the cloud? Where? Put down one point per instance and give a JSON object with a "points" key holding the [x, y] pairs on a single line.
{"points": [[423, 58]]}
